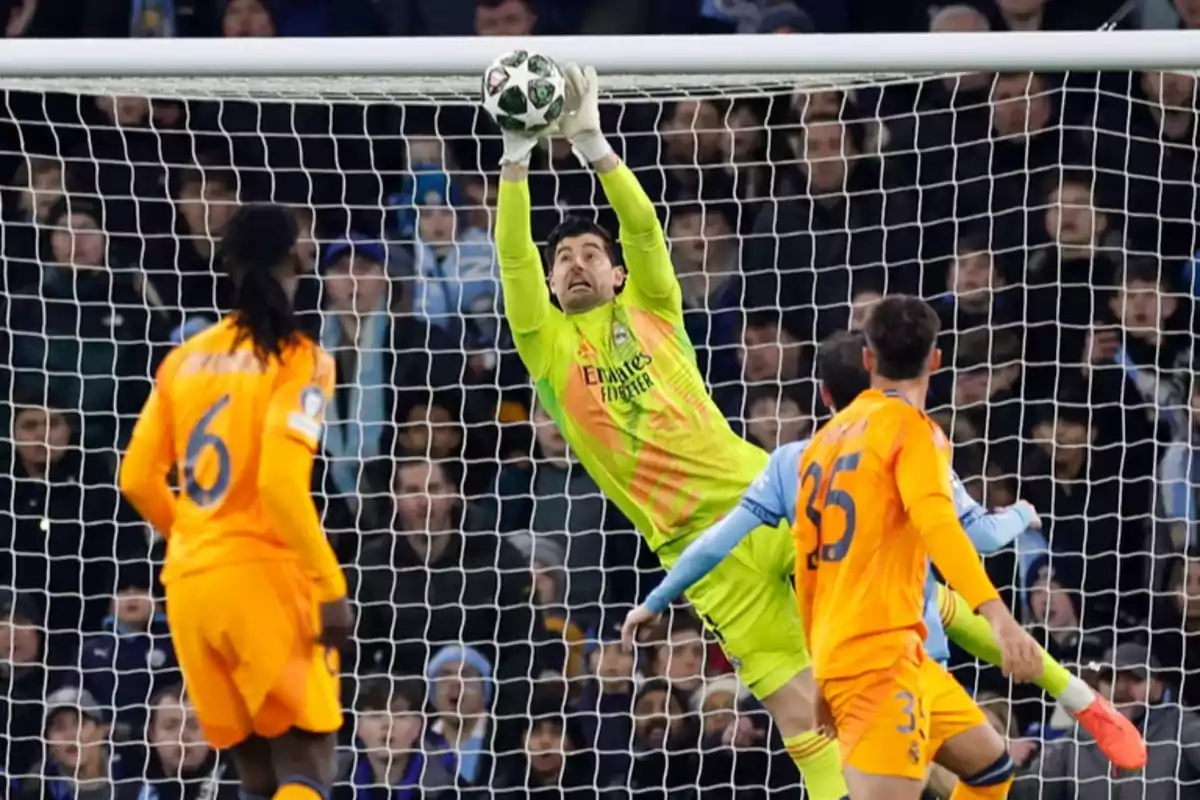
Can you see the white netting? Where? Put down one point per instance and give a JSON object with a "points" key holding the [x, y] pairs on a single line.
{"points": [[1021, 205]]}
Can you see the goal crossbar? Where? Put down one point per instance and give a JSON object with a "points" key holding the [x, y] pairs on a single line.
{"points": [[649, 55]]}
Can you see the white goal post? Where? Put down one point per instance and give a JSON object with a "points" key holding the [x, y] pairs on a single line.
{"points": [[626, 55], [914, 212]]}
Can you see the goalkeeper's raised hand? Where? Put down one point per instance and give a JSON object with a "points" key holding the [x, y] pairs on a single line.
{"points": [[581, 122], [518, 147]]}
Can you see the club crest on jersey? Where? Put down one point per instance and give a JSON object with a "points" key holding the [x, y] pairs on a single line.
{"points": [[620, 334]]}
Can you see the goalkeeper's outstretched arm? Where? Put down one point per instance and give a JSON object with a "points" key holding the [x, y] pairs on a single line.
{"points": [[647, 259], [526, 297]]}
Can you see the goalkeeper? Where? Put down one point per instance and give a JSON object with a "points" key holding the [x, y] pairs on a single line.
{"points": [[607, 352], [773, 498]]}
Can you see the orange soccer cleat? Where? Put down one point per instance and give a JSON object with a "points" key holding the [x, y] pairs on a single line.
{"points": [[1116, 736]]}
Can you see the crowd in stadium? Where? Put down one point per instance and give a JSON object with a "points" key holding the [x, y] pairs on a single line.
{"points": [[1050, 218]]}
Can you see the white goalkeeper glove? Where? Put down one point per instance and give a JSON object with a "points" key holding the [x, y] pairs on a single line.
{"points": [[518, 147], [580, 123]]}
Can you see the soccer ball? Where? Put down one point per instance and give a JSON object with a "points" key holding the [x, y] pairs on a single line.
{"points": [[524, 92]]}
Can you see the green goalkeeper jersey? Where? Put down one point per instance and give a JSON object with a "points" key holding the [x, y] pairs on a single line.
{"points": [[621, 380]]}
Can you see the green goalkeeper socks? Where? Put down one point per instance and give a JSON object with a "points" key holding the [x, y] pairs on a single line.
{"points": [[972, 633], [819, 761]]}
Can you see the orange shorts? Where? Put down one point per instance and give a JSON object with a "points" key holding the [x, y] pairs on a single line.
{"points": [[245, 636], [893, 722]]}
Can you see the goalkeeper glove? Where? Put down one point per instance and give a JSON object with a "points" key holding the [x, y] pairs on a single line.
{"points": [[581, 122], [518, 147]]}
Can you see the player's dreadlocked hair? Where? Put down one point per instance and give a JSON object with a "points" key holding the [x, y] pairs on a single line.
{"points": [[257, 251], [901, 330], [840, 367]]}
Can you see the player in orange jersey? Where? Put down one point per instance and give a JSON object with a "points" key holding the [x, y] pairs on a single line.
{"points": [[875, 486], [256, 600]]}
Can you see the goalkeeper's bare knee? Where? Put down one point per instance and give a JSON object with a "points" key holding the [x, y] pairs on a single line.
{"points": [[793, 706]]}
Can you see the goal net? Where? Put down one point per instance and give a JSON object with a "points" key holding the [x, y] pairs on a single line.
{"points": [[1049, 217]]}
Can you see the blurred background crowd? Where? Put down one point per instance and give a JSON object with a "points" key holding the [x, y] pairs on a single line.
{"points": [[1050, 218]]}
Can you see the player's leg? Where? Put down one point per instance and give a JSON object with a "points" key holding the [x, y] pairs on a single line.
{"points": [[255, 768], [962, 741], [289, 683], [1116, 737], [792, 707], [750, 607], [882, 728], [305, 763], [198, 619], [978, 756]]}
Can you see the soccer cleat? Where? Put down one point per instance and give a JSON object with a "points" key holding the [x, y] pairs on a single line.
{"points": [[1116, 736]]}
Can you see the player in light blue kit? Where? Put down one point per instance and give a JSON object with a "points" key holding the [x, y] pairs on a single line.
{"points": [[772, 498]]}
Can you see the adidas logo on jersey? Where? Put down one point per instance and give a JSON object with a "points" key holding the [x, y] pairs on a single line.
{"points": [[620, 334]]}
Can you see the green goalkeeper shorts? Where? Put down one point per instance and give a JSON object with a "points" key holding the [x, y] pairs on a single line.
{"points": [[749, 603]]}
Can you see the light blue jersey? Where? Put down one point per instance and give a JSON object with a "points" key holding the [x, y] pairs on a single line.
{"points": [[771, 499]]}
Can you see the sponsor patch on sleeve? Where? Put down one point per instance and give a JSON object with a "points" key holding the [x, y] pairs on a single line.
{"points": [[309, 420]]}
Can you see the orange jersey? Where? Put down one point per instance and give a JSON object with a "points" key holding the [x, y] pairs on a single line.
{"points": [[875, 483], [214, 409]]}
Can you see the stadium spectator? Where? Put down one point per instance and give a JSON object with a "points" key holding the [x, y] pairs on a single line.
{"points": [[461, 733], [1071, 768], [505, 18], [1068, 278], [546, 559], [359, 331], [987, 392], [777, 415], [131, 661], [1153, 353], [605, 701], [551, 763], [664, 740], [1002, 173], [63, 522], [458, 286], [978, 294], [685, 161], [184, 265], [131, 143], [554, 498], [771, 352], [480, 193], [253, 18], [36, 186], [80, 761], [386, 758], [1091, 513], [840, 188], [1149, 138], [1188, 11], [1053, 608], [679, 657], [746, 150], [1174, 628], [862, 296], [24, 678], [718, 702], [439, 578], [179, 764], [149, 18], [707, 259], [90, 326]]}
